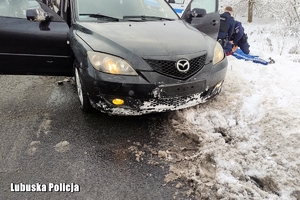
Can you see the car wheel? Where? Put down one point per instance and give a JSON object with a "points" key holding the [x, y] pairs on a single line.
{"points": [[85, 104]]}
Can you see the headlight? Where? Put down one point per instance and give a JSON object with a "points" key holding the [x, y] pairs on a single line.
{"points": [[110, 64], [218, 53]]}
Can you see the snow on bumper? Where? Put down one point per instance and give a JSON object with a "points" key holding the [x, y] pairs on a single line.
{"points": [[158, 104]]}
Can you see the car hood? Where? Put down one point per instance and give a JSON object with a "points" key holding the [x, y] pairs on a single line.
{"points": [[145, 39]]}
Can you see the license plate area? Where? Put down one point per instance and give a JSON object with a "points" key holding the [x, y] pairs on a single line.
{"points": [[181, 89]]}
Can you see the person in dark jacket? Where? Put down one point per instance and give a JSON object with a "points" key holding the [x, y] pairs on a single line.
{"points": [[240, 38], [226, 29]]}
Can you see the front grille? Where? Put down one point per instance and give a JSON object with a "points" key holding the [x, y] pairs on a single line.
{"points": [[168, 68]]}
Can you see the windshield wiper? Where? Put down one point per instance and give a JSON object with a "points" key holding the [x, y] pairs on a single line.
{"points": [[145, 17], [100, 16]]}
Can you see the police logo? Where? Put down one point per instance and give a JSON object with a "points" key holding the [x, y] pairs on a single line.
{"points": [[183, 65]]}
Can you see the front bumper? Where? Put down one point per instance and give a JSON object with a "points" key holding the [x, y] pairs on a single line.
{"points": [[144, 94]]}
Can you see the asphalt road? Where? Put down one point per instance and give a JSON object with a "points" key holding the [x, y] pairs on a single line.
{"points": [[46, 139]]}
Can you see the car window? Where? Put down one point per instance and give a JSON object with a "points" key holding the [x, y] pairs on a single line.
{"points": [[120, 8], [208, 5], [17, 8]]}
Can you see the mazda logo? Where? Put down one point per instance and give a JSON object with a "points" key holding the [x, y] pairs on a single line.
{"points": [[183, 65]]}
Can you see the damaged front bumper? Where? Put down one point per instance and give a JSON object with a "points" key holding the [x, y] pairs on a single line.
{"points": [[154, 105], [139, 97]]}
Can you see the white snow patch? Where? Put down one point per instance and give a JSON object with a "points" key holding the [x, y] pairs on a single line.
{"points": [[62, 146]]}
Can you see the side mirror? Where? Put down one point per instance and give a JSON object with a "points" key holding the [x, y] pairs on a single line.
{"points": [[197, 12], [38, 15]]}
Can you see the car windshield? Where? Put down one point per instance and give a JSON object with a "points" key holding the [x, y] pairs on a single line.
{"points": [[17, 8], [119, 10]]}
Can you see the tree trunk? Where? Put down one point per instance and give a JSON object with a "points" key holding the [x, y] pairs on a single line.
{"points": [[295, 6], [250, 10]]}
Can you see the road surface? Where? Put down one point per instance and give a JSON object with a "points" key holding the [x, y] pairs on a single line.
{"points": [[47, 141]]}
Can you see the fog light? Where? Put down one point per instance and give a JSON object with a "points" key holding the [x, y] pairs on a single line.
{"points": [[217, 88], [118, 102], [219, 84]]}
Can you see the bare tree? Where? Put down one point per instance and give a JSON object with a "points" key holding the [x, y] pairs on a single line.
{"points": [[250, 10]]}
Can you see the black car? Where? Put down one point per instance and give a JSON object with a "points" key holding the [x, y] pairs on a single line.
{"points": [[129, 57]]}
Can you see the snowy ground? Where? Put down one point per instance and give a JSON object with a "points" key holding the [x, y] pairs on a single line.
{"points": [[245, 144]]}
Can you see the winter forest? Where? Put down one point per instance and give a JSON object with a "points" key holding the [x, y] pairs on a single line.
{"points": [[283, 11]]}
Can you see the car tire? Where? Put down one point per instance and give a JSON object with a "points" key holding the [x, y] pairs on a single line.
{"points": [[85, 104]]}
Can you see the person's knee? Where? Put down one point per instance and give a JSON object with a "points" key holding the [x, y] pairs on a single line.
{"points": [[246, 51], [245, 48]]}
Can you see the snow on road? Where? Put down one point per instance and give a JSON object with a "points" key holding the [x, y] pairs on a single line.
{"points": [[249, 137]]}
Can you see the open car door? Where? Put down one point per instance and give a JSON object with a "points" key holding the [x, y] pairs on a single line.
{"points": [[37, 47], [208, 22]]}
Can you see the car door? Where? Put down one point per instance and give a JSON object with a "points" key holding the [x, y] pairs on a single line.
{"points": [[32, 47], [209, 23]]}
